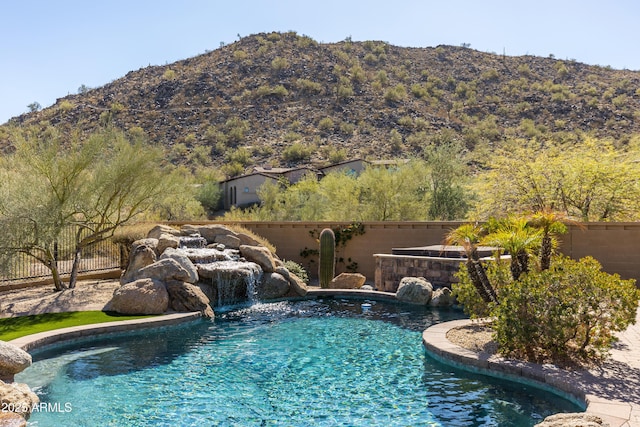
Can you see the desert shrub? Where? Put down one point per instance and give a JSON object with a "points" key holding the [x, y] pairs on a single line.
{"points": [[568, 313], [279, 64], [326, 124], [297, 269], [297, 152], [395, 94], [308, 86], [169, 74]]}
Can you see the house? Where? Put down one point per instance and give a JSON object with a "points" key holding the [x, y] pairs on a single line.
{"points": [[241, 191], [354, 166]]}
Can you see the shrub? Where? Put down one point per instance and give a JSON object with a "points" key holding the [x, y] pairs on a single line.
{"points": [[326, 125], [297, 269], [297, 152], [279, 64], [395, 94], [169, 74], [568, 313]]}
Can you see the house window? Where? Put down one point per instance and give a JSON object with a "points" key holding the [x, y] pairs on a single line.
{"points": [[246, 189]]}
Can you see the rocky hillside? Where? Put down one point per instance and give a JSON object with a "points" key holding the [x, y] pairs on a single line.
{"points": [[283, 99]]}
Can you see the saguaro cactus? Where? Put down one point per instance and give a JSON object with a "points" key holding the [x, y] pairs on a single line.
{"points": [[327, 264]]}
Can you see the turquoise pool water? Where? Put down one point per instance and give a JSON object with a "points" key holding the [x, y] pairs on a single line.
{"points": [[305, 363]]}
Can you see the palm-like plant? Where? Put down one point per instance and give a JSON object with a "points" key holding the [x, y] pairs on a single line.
{"points": [[518, 238], [550, 223], [467, 236]]}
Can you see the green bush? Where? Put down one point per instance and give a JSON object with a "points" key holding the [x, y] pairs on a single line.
{"points": [[297, 152], [297, 269]]}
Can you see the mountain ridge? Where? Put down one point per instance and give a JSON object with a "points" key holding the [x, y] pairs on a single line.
{"points": [[282, 99]]}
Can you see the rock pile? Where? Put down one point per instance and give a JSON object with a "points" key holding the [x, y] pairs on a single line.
{"points": [[17, 399], [185, 270]]}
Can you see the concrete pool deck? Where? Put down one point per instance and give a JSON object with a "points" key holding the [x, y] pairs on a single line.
{"points": [[610, 391]]}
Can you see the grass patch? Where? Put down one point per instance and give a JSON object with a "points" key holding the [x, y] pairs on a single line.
{"points": [[16, 327]]}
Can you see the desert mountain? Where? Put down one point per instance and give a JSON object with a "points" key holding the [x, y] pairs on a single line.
{"points": [[284, 99]]}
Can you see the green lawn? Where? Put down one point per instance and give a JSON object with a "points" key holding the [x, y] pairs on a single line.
{"points": [[16, 327]]}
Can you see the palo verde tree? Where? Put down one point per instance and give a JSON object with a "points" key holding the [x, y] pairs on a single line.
{"points": [[590, 180], [94, 186]]}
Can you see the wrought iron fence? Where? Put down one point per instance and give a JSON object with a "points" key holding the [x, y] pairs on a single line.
{"points": [[104, 255]]}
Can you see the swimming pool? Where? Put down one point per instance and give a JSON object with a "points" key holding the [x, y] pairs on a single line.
{"points": [[325, 362]]}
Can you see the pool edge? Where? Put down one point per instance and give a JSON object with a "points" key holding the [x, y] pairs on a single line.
{"points": [[546, 377], [41, 339]]}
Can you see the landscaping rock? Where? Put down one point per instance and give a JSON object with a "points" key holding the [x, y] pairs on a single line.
{"points": [[11, 419], [141, 255], [17, 396], [144, 296], [260, 255], [573, 420], [184, 262], [185, 297], [167, 241], [347, 281], [414, 290], [273, 286], [211, 231], [245, 239], [164, 270], [229, 241], [160, 229], [441, 298], [298, 287], [12, 360]]}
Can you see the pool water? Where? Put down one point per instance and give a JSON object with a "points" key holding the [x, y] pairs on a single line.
{"points": [[306, 363]]}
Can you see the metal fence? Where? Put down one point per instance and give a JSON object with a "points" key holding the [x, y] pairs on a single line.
{"points": [[103, 255]]}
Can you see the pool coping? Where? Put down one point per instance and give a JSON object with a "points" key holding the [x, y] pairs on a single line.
{"points": [[548, 377], [54, 336]]}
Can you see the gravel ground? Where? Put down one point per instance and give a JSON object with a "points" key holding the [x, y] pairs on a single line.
{"points": [[475, 337], [86, 296]]}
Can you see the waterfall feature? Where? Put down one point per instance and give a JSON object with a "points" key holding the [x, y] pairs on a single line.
{"points": [[225, 277]]}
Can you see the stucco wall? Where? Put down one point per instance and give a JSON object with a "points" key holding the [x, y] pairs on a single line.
{"points": [[615, 245]]}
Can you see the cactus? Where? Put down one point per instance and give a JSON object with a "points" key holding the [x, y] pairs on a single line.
{"points": [[327, 264]]}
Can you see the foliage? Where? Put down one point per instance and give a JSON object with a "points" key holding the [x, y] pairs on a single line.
{"points": [[588, 181], [567, 313], [96, 186], [297, 269], [297, 152]]}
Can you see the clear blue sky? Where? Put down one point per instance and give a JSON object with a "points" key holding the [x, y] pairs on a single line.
{"points": [[48, 48]]}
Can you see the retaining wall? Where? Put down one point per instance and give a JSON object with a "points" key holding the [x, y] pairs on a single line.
{"points": [[615, 245]]}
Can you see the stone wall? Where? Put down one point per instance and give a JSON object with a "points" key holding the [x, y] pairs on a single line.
{"points": [[390, 269]]}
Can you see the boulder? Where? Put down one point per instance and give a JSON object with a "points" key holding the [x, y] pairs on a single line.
{"points": [[246, 239], [297, 287], [211, 231], [141, 255], [347, 281], [12, 360], [273, 286], [164, 270], [19, 397], [414, 290], [441, 298], [229, 241], [184, 262], [160, 229], [573, 420], [12, 419], [144, 296], [185, 297], [167, 241], [260, 255]]}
